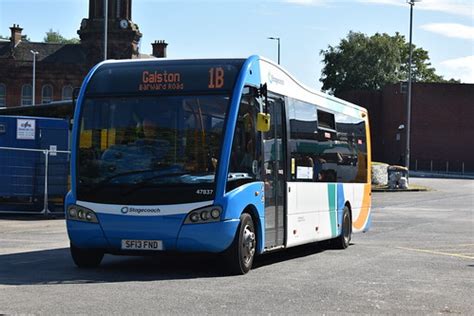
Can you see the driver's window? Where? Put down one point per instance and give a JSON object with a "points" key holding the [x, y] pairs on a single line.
{"points": [[245, 158]]}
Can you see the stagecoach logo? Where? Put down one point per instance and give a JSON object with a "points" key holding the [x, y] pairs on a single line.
{"points": [[275, 80], [135, 210], [158, 80]]}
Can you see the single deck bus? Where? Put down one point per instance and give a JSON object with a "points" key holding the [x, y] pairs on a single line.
{"points": [[230, 156]]}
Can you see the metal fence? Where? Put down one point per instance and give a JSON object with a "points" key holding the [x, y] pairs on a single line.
{"points": [[33, 181], [443, 166]]}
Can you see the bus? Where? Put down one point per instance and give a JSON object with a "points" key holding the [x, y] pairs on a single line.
{"points": [[228, 156]]}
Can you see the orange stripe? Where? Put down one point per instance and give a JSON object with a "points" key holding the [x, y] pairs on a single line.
{"points": [[366, 200], [365, 209]]}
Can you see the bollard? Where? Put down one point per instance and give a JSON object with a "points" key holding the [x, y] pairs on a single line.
{"points": [[416, 164], [431, 165], [463, 167], [447, 166]]}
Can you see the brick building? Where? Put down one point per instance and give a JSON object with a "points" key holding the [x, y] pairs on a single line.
{"points": [[442, 128], [61, 67]]}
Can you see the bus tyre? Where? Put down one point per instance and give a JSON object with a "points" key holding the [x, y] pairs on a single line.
{"points": [[86, 258], [241, 253], [342, 242]]}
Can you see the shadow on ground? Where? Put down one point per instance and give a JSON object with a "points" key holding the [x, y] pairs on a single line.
{"points": [[56, 267]]}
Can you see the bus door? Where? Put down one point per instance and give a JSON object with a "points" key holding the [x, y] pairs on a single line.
{"points": [[274, 175]]}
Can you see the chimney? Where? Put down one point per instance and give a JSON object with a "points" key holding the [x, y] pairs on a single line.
{"points": [[16, 34], [159, 49]]}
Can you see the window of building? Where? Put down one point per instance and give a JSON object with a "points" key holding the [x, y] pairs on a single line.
{"points": [[47, 94], [3, 95], [67, 93], [26, 94]]}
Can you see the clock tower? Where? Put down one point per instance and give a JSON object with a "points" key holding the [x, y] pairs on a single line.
{"points": [[123, 35]]}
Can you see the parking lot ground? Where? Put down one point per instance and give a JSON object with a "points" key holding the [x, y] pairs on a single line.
{"points": [[418, 258]]}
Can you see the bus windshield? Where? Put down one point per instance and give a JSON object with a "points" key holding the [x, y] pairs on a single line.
{"points": [[129, 146]]}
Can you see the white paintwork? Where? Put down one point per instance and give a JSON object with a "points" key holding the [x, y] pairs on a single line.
{"points": [[308, 213], [280, 81]]}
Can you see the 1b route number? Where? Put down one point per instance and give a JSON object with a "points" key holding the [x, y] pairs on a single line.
{"points": [[216, 78]]}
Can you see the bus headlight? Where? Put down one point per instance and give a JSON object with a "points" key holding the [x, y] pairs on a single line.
{"points": [[79, 213], [204, 215], [215, 213], [194, 217]]}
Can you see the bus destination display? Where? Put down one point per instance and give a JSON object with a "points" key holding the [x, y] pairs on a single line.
{"points": [[152, 78]]}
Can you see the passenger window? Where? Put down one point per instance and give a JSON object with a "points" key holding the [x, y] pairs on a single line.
{"points": [[326, 120]]}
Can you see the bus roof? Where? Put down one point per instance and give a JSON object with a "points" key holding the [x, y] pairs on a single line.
{"points": [[319, 94]]}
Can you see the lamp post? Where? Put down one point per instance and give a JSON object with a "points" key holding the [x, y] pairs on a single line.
{"points": [[277, 39], [408, 125], [34, 76], [106, 20]]}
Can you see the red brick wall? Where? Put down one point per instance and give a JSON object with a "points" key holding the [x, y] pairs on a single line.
{"points": [[442, 128], [57, 75]]}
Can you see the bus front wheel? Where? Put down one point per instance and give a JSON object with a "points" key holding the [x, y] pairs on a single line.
{"points": [[86, 258], [241, 253], [342, 242]]}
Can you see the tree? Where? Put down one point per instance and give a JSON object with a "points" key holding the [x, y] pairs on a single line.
{"points": [[369, 63], [56, 37]]}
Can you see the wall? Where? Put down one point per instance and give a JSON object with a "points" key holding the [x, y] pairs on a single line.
{"points": [[442, 130]]}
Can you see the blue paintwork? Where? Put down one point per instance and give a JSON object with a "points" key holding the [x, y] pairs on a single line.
{"points": [[341, 201], [234, 202], [223, 169], [210, 237], [86, 235], [118, 227], [238, 199]]}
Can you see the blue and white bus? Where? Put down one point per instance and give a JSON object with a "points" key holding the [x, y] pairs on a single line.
{"points": [[230, 156]]}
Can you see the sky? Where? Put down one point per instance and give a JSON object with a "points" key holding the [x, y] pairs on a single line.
{"points": [[220, 28]]}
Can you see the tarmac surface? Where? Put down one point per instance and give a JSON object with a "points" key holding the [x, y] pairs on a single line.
{"points": [[418, 258]]}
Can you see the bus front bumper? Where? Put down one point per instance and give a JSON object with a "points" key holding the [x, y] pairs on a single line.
{"points": [[209, 237], [112, 229]]}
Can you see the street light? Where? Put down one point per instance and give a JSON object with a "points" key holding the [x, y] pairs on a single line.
{"points": [[277, 39], [106, 22], [407, 150], [34, 74]]}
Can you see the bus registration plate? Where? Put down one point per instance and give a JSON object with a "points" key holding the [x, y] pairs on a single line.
{"points": [[128, 244]]}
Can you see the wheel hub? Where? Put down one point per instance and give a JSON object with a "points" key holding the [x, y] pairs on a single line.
{"points": [[248, 244]]}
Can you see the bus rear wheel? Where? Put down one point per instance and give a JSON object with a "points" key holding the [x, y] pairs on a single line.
{"points": [[343, 240], [86, 258], [241, 253]]}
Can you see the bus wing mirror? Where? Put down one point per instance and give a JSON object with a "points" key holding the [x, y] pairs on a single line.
{"points": [[263, 122], [263, 119]]}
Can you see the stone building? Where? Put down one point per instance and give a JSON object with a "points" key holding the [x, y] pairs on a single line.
{"points": [[61, 67]]}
